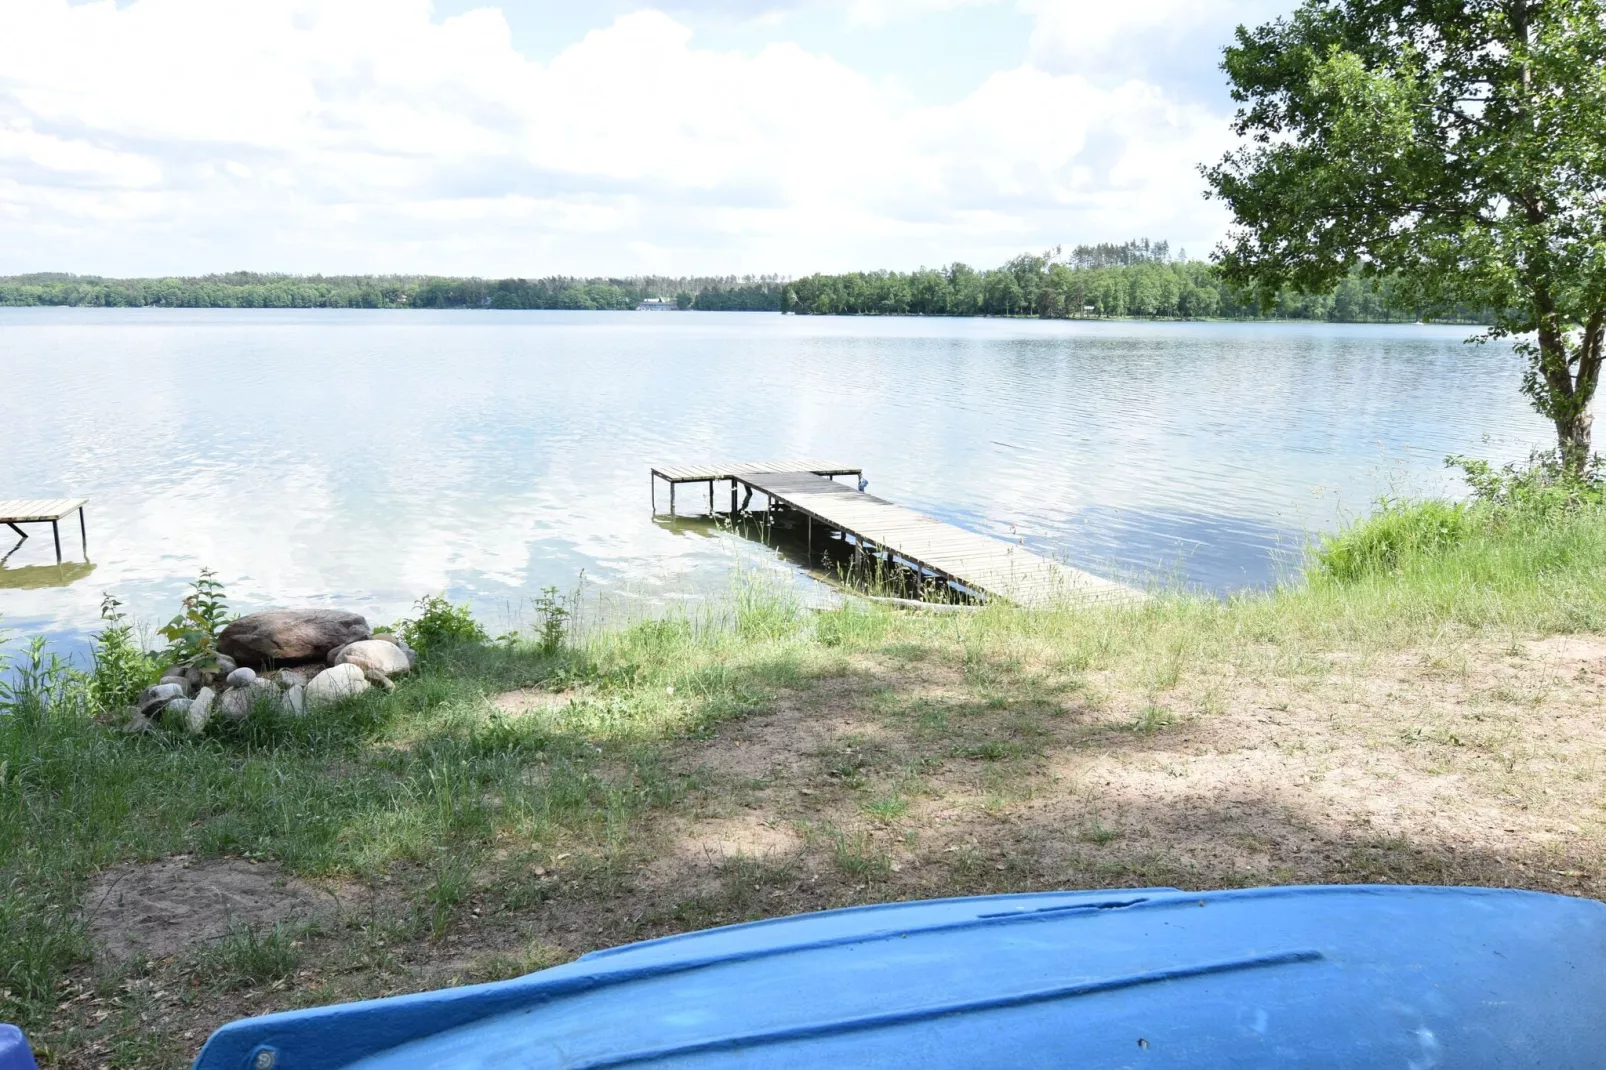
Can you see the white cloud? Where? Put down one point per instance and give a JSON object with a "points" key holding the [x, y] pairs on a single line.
{"points": [[881, 12], [1168, 41], [361, 135]]}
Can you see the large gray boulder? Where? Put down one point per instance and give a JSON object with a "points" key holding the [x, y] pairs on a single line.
{"points": [[290, 636]]}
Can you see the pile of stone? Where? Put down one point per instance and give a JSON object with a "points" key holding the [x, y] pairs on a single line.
{"points": [[290, 661]]}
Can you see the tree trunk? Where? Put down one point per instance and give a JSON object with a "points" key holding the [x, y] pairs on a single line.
{"points": [[1573, 435], [1562, 379]]}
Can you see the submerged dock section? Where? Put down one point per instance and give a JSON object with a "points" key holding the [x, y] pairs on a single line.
{"points": [[897, 536]]}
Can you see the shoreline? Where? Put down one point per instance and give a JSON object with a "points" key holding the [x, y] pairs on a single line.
{"points": [[1433, 719]]}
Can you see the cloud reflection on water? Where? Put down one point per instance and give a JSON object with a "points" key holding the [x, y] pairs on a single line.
{"points": [[365, 458]]}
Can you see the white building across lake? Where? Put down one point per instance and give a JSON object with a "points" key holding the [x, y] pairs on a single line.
{"points": [[656, 304]]}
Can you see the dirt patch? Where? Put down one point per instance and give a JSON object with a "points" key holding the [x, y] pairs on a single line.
{"points": [[697, 849], [156, 910], [1569, 651], [529, 700]]}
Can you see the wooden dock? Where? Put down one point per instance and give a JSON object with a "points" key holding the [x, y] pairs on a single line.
{"points": [[901, 537], [44, 511]]}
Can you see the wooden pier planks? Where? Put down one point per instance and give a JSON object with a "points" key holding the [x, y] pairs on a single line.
{"points": [[38, 510], [988, 565], [706, 473]]}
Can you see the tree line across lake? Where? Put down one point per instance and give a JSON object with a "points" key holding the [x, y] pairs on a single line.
{"points": [[244, 289], [1137, 279]]}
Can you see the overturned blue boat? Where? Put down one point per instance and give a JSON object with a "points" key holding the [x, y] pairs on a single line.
{"points": [[1368, 976]]}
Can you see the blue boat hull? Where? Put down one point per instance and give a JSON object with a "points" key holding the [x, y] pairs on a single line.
{"points": [[1314, 977]]}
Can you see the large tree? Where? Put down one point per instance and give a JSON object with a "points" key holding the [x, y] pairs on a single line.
{"points": [[1457, 144]]}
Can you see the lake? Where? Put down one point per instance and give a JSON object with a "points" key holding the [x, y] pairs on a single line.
{"points": [[365, 458]]}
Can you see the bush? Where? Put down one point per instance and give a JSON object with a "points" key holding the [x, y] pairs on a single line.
{"points": [[122, 670], [439, 623], [1399, 531], [554, 615], [1540, 489]]}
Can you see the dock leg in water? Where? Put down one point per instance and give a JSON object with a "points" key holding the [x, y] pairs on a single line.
{"points": [[733, 501], [671, 498], [83, 532], [55, 529]]}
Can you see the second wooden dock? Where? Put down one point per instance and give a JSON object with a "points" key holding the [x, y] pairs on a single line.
{"points": [[902, 537]]}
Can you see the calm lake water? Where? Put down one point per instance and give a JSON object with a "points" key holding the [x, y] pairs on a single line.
{"points": [[362, 459]]}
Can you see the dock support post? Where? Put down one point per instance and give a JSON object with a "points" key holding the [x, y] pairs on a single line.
{"points": [[83, 532], [671, 497], [711, 509], [20, 533], [55, 529], [733, 501]]}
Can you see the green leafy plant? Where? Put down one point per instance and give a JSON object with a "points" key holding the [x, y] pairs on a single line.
{"points": [[553, 614], [192, 635], [121, 670], [440, 623]]}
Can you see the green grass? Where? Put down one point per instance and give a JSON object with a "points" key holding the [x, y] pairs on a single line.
{"points": [[425, 786], [248, 956]]}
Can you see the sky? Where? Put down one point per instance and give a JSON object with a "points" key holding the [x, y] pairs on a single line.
{"points": [[539, 137]]}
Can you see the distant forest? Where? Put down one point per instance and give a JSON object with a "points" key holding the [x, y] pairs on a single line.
{"points": [[244, 289], [1135, 278]]}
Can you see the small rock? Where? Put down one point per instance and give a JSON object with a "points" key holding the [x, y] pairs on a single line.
{"points": [[378, 679], [332, 685], [200, 711], [153, 698], [136, 724], [175, 676], [162, 691], [265, 692], [287, 678], [378, 655], [236, 703], [175, 715], [225, 664], [241, 677], [295, 701]]}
